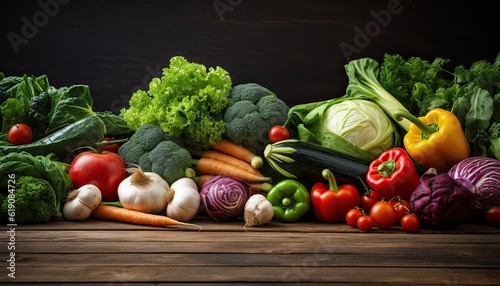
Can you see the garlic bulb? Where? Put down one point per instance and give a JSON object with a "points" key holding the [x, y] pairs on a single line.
{"points": [[183, 199], [81, 202], [143, 191], [258, 210]]}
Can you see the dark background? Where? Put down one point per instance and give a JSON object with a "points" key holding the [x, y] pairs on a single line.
{"points": [[291, 47]]}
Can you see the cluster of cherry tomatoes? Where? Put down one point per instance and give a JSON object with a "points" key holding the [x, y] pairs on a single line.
{"points": [[376, 212]]}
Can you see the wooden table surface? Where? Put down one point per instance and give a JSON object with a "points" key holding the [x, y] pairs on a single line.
{"points": [[307, 252]]}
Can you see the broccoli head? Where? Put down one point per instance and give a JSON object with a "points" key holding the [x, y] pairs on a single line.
{"points": [[170, 161], [34, 201], [153, 150], [252, 111]]}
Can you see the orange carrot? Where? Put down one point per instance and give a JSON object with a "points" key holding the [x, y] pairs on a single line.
{"points": [[256, 187], [202, 179], [239, 151], [207, 166], [231, 160], [114, 213]]}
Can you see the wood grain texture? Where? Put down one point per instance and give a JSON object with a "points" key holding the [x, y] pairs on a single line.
{"points": [[97, 252]]}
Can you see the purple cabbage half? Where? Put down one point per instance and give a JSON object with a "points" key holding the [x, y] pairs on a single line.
{"points": [[224, 197], [484, 174], [440, 201]]}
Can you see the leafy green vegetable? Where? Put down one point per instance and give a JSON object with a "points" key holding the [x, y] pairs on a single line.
{"points": [[13, 112], [363, 84], [20, 91], [23, 164], [414, 81], [355, 127], [115, 124], [34, 202], [46, 109], [186, 101], [70, 104]]}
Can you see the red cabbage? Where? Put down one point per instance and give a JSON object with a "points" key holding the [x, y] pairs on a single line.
{"points": [[224, 197], [440, 201], [484, 174]]}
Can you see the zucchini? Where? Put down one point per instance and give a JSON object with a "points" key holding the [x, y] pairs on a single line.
{"points": [[305, 161], [85, 131]]}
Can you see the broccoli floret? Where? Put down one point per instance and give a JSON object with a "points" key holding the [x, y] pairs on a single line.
{"points": [[149, 135], [145, 162], [253, 110], [167, 157], [34, 201], [170, 160]]}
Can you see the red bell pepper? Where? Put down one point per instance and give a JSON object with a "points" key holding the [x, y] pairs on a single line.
{"points": [[393, 174], [332, 202]]}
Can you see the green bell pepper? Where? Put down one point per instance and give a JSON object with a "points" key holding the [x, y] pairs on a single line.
{"points": [[290, 200]]}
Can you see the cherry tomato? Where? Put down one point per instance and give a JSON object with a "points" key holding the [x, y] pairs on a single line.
{"points": [[111, 147], [105, 170], [20, 134], [410, 223], [365, 223], [402, 207], [383, 214], [352, 216], [493, 216], [278, 133], [369, 198]]}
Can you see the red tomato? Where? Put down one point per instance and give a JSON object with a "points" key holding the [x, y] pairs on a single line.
{"points": [[352, 216], [111, 147], [402, 207], [365, 223], [383, 214], [106, 170], [278, 133], [369, 198], [20, 134], [410, 223], [493, 216]]}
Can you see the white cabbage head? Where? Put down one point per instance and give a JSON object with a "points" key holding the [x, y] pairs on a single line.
{"points": [[362, 123]]}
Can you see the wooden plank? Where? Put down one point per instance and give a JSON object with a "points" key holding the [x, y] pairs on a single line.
{"points": [[258, 237], [404, 259], [230, 245], [303, 226], [230, 274]]}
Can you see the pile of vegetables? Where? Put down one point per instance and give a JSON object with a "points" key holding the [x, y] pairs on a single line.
{"points": [[411, 143]]}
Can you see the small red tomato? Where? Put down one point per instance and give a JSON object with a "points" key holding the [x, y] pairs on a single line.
{"points": [[365, 223], [278, 133], [369, 198], [111, 147], [383, 214], [410, 223], [20, 134], [402, 207], [493, 216], [352, 217]]}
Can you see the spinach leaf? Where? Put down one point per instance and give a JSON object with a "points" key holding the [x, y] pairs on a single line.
{"points": [[70, 104]]}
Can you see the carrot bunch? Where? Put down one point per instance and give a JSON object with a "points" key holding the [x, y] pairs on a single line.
{"points": [[231, 159]]}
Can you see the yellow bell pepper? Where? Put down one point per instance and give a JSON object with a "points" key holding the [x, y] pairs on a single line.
{"points": [[435, 140]]}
